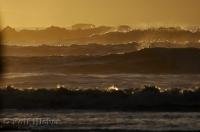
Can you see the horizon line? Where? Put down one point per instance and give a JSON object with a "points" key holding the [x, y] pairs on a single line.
{"points": [[69, 27]]}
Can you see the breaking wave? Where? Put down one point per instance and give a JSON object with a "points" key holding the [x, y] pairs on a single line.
{"points": [[150, 98]]}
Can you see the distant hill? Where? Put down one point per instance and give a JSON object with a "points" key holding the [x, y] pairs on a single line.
{"points": [[148, 61]]}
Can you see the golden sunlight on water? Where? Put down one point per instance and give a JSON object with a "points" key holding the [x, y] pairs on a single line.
{"points": [[122, 65]]}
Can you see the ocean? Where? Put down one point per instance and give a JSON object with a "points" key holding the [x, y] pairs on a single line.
{"points": [[101, 120], [99, 81]]}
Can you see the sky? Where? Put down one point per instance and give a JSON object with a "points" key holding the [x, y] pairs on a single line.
{"points": [[43, 13]]}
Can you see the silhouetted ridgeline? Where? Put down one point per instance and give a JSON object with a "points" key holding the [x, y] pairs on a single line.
{"points": [[150, 98], [155, 60], [85, 34]]}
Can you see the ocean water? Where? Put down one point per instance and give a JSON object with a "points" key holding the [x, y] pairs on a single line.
{"points": [[91, 81], [101, 120]]}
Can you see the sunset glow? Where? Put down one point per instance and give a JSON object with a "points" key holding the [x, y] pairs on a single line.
{"points": [[43, 13]]}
